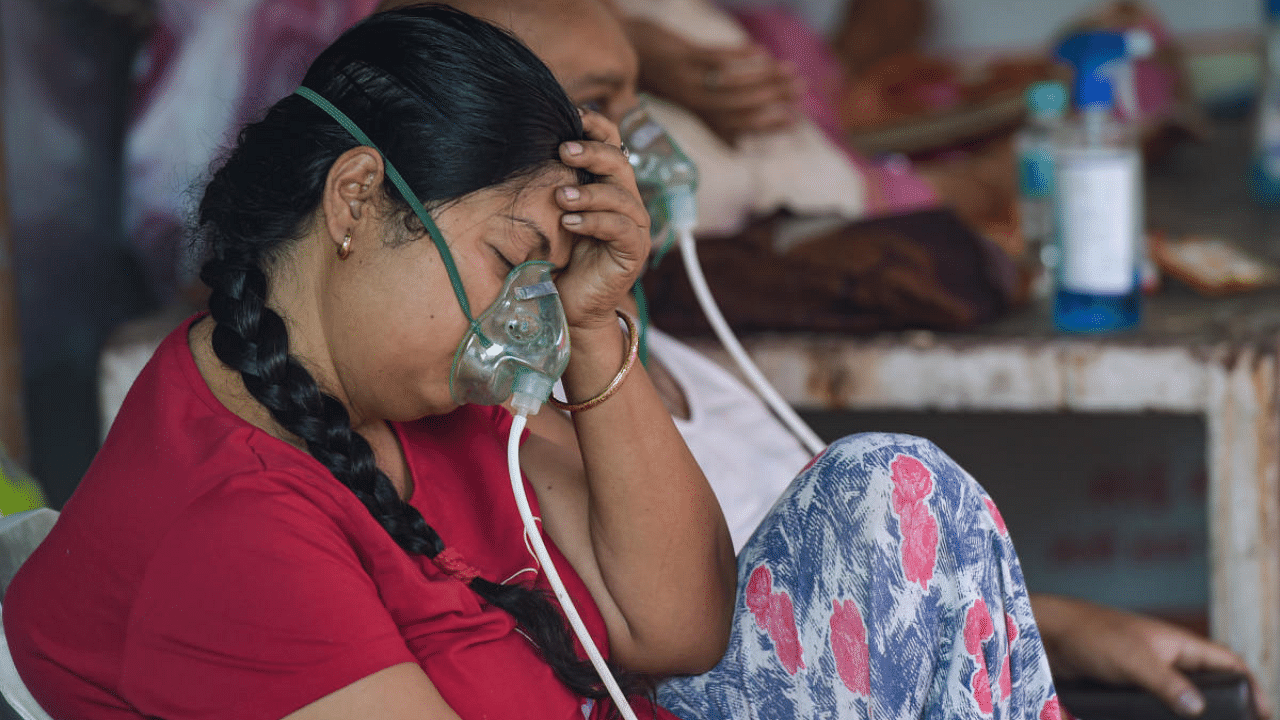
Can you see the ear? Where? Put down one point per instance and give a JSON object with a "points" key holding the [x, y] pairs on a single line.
{"points": [[350, 189]]}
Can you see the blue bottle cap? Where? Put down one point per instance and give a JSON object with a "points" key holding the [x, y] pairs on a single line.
{"points": [[1090, 53], [1048, 98]]}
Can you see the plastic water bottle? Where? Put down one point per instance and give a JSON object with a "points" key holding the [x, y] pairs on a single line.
{"points": [[1265, 167], [1098, 193], [1046, 106]]}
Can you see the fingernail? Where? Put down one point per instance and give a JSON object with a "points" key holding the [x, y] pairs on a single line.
{"points": [[571, 219], [570, 193], [573, 148], [1191, 702]]}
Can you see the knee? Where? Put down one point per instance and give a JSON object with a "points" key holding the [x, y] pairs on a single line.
{"points": [[900, 476], [913, 465]]}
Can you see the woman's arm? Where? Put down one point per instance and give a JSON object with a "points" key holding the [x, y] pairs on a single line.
{"points": [[628, 505], [1084, 640], [400, 692]]}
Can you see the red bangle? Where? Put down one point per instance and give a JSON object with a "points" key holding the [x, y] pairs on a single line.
{"points": [[632, 351]]}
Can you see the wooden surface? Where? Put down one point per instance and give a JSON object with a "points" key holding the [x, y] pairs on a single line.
{"points": [[1219, 359]]}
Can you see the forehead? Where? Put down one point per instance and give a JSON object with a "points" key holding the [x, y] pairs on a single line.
{"points": [[524, 211], [578, 39]]}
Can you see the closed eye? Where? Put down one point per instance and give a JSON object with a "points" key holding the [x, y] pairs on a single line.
{"points": [[505, 260]]}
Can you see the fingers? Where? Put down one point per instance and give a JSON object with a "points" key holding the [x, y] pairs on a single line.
{"points": [[753, 86], [1201, 654], [602, 154], [1174, 652], [735, 73], [600, 128], [1174, 689], [602, 211], [751, 95], [607, 220], [1196, 653], [762, 73], [611, 221], [750, 99], [1121, 647], [763, 119]]}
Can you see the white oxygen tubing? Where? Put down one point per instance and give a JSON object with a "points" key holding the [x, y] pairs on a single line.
{"points": [[689, 253], [544, 559]]}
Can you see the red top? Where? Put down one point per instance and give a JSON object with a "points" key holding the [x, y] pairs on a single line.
{"points": [[205, 569]]}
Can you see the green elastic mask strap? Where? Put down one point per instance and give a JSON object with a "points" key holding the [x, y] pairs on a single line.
{"points": [[409, 197]]}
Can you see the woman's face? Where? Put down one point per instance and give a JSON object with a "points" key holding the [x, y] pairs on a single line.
{"points": [[390, 317]]}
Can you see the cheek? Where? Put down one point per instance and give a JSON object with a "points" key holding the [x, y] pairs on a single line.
{"points": [[421, 333], [393, 337], [407, 361]]}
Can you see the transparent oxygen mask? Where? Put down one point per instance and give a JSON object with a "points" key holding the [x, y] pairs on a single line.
{"points": [[518, 347], [666, 177]]}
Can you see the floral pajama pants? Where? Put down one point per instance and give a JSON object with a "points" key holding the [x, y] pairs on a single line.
{"points": [[883, 584]]}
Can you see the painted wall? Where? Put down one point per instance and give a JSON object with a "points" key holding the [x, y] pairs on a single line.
{"points": [[979, 25], [1110, 508]]}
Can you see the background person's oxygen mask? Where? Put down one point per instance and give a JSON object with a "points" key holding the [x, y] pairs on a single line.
{"points": [[519, 345], [667, 180], [665, 176]]}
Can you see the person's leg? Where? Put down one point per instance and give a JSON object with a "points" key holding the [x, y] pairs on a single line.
{"points": [[883, 584]]}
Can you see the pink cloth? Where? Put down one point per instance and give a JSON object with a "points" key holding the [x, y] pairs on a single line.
{"points": [[893, 186], [789, 38]]}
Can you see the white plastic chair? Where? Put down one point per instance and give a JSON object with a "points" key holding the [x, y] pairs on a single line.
{"points": [[20, 533]]}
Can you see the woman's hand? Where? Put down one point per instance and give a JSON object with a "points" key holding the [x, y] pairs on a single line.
{"points": [[620, 493], [735, 91], [611, 217], [1084, 640]]}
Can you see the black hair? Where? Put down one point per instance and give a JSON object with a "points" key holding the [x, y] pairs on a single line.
{"points": [[457, 105]]}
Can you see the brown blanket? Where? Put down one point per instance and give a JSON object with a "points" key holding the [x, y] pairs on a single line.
{"points": [[917, 270]]}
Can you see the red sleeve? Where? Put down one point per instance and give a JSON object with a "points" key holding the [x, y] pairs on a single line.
{"points": [[256, 605]]}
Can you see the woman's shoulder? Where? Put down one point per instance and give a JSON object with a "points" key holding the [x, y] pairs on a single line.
{"points": [[272, 511]]}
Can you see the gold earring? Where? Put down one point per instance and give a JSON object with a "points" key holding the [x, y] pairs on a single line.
{"points": [[344, 250]]}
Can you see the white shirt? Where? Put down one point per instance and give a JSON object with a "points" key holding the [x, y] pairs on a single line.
{"points": [[748, 456]]}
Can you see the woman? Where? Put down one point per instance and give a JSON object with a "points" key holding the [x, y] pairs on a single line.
{"points": [[294, 516]]}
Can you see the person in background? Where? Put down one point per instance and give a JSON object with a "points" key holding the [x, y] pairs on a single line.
{"points": [[753, 73], [749, 457]]}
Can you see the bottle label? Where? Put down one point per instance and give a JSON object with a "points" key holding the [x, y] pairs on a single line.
{"points": [[1035, 173], [1099, 216]]}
